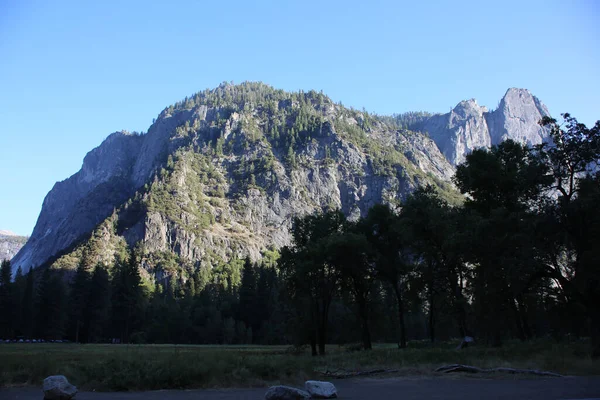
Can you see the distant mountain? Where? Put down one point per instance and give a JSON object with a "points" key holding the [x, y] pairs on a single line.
{"points": [[10, 244], [221, 174], [469, 126]]}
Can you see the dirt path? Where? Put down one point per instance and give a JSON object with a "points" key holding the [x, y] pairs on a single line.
{"points": [[392, 388]]}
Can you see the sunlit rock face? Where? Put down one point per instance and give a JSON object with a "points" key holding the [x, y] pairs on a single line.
{"points": [[222, 174], [470, 126]]}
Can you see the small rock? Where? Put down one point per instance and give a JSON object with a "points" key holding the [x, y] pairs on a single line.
{"points": [[57, 387], [285, 393], [321, 390], [465, 342]]}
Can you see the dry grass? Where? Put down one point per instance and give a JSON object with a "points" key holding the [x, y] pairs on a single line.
{"points": [[147, 367]]}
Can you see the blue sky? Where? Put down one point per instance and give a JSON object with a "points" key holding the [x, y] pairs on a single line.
{"points": [[72, 72]]}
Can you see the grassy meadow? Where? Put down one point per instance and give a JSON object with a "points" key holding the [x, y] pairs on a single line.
{"points": [[147, 367]]}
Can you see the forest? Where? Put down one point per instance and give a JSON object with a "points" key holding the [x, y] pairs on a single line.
{"points": [[518, 259]]}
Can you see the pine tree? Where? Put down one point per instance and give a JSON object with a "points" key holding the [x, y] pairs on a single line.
{"points": [[263, 294], [97, 305], [77, 302], [51, 302], [18, 290], [5, 300], [248, 312], [27, 307], [127, 298]]}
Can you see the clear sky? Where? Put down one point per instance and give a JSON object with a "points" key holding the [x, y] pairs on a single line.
{"points": [[72, 72]]}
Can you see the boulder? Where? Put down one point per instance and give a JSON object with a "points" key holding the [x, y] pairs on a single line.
{"points": [[321, 390], [285, 393], [57, 387], [465, 342]]}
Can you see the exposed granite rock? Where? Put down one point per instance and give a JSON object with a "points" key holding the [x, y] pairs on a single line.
{"points": [[285, 393], [10, 244], [75, 206], [212, 179], [57, 387], [321, 390], [517, 118], [460, 131], [470, 126]]}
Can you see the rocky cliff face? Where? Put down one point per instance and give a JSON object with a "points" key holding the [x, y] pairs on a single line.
{"points": [[10, 244], [517, 118], [221, 175], [470, 126], [75, 206]]}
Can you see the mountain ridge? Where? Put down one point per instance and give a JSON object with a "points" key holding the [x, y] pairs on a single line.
{"points": [[220, 175], [469, 126]]}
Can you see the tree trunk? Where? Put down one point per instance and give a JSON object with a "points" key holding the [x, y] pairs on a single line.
{"points": [[398, 291], [321, 343], [431, 315], [517, 318], [364, 316], [595, 333], [313, 343], [322, 333], [524, 320], [455, 281]]}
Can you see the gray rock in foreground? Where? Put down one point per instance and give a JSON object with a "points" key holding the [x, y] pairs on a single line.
{"points": [[57, 387], [285, 393], [321, 390]]}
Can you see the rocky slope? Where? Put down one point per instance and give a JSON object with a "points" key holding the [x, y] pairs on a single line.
{"points": [[469, 126], [10, 244], [221, 175]]}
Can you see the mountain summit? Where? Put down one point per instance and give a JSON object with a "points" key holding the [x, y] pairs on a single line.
{"points": [[469, 126], [221, 174]]}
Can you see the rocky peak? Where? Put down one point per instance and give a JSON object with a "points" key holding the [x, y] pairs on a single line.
{"points": [[517, 118], [460, 131], [468, 109], [469, 126], [76, 205]]}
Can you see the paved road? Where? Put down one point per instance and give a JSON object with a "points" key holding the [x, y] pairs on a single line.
{"points": [[370, 389]]}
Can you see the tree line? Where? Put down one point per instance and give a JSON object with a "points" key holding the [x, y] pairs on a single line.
{"points": [[519, 259]]}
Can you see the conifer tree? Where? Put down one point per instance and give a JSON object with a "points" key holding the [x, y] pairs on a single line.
{"points": [[248, 294], [5, 300], [50, 308], [97, 305], [127, 296], [77, 302], [27, 307]]}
